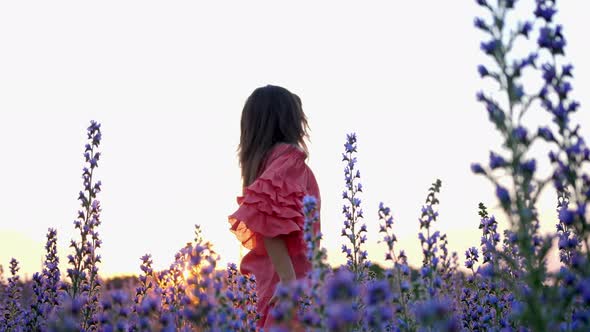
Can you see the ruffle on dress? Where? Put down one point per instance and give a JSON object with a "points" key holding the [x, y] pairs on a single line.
{"points": [[272, 206]]}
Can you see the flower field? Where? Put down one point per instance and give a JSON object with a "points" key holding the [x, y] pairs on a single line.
{"points": [[504, 284]]}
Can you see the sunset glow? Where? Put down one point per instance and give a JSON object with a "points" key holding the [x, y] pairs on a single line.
{"points": [[168, 87]]}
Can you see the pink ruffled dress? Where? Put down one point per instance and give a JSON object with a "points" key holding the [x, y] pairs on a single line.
{"points": [[272, 206]]}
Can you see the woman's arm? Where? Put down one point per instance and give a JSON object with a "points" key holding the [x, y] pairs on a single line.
{"points": [[279, 256]]}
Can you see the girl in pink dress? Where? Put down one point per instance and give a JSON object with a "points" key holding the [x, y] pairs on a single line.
{"points": [[269, 220]]}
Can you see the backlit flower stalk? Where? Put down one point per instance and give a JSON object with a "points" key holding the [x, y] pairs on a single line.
{"points": [[353, 230], [568, 241], [429, 242], [34, 318], [514, 165], [13, 316], [569, 158], [315, 253], [146, 284], [570, 155], [45, 287], [485, 299], [205, 293], [448, 268], [314, 304], [225, 289], [174, 285], [51, 275], [83, 273], [399, 276], [238, 301], [490, 237], [506, 117]]}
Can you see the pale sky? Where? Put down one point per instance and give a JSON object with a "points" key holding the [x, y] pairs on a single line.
{"points": [[168, 80]]}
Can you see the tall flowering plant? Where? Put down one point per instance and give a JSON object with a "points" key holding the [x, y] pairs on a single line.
{"points": [[13, 317], [399, 275], [429, 241], [146, 283], [83, 273], [51, 274], [45, 287], [504, 286], [314, 306], [528, 250], [353, 230], [216, 300], [485, 300]]}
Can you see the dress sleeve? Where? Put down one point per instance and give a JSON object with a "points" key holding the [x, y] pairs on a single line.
{"points": [[272, 206]]}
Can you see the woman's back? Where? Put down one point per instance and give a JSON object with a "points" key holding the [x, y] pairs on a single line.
{"points": [[271, 207]]}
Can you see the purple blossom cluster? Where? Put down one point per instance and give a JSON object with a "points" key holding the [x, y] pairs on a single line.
{"points": [[398, 275], [430, 242], [538, 298], [504, 283], [353, 230], [83, 274]]}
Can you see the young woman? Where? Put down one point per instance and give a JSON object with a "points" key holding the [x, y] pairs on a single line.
{"points": [[269, 220]]}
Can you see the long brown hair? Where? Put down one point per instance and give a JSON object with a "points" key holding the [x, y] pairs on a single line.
{"points": [[271, 115]]}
